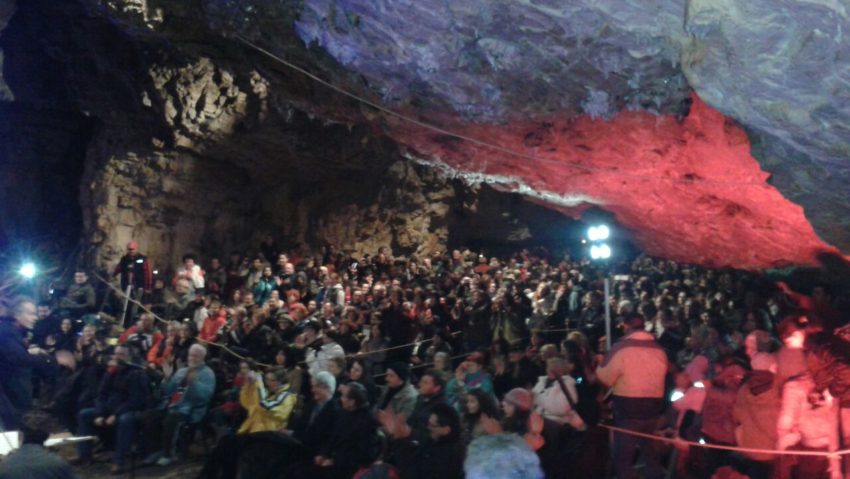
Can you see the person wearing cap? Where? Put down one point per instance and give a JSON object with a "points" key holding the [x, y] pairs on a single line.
{"points": [[400, 396], [635, 370], [468, 376]]}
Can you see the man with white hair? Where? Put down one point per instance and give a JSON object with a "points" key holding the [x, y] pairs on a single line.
{"points": [[186, 395]]}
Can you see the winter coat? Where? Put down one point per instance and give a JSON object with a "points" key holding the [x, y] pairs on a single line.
{"points": [[828, 360], [317, 358], [456, 391], [403, 402], [800, 421], [125, 390], [550, 402], [718, 422], [636, 368], [16, 367], [267, 410], [756, 412], [195, 397], [353, 442]]}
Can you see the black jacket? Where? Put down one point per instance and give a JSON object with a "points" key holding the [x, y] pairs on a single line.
{"points": [[314, 430], [418, 419], [17, 365], [123, 391], [442, 459], [353, 443]]}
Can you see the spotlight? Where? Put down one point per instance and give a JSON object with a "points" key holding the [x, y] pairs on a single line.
{"points": [[602, 232], [598, 233], [676, 396], [27, 270], [602, 251]]}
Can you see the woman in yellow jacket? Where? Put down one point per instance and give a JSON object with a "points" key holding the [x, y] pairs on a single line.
{"points": [[269, 405]]}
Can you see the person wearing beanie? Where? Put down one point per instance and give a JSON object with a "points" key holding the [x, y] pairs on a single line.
{"points": [[400, 396], [519, 417]]}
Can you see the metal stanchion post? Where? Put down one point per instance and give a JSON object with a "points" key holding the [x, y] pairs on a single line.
{"points": [[607, 314]]}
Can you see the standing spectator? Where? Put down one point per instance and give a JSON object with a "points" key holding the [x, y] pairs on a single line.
{"points": [[635, 369], [17, 362], [135, 273], [192, 272], [756, 413], [216, 278], [808, 418]]}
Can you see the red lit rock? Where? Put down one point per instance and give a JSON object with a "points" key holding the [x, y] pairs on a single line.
{"points": [[687, 190]]}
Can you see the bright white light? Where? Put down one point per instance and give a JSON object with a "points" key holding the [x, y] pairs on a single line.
{"points": [[701, 441], [604, 251], [594, 252], [699, 384], [676, 396], [27, 270], [598, 233], [602, 232]]}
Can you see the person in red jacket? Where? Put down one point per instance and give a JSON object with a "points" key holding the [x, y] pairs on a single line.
{"points": [[215, 320]]}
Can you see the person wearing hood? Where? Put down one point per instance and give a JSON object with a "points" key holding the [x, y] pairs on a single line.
{"points": [[756, 412], [400, 396]]}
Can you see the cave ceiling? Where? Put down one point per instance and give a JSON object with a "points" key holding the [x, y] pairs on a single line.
{"points": [[715, 131]]}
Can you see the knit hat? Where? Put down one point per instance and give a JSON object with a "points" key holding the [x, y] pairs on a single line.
{"points": [[520, 398], [402, 370]]}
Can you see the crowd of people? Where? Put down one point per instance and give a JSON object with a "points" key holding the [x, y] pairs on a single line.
{"points": [[320, 364]]}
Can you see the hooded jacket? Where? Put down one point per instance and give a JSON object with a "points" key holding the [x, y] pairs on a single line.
{"points": [[756, 412]]}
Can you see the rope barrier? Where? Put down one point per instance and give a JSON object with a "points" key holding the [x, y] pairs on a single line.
{"points": [[481, 143], [122, 295], [683, 442], [361, 354]]}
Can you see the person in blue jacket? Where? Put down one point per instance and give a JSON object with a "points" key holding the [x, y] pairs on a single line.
{"points": [[186, 395]]}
